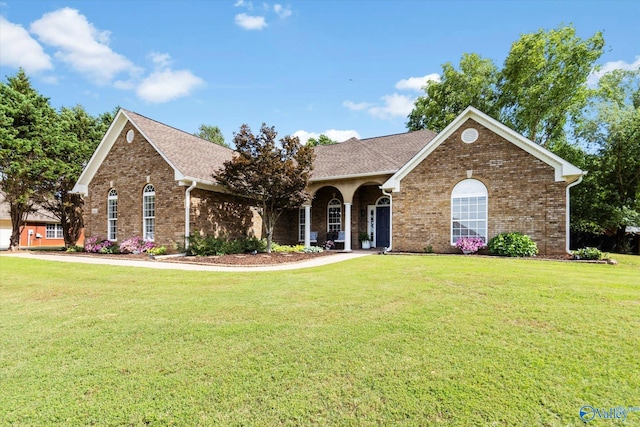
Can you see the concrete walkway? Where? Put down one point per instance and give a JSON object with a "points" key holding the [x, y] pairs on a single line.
{"points": [[323, 260]]}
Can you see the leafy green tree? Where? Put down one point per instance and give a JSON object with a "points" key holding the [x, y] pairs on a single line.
{"points": [[27, 127], [475, 83], [272, 174], [613, 131], [211, 134], [540, 87], [322, 140], [78, 136], [543, 81]]}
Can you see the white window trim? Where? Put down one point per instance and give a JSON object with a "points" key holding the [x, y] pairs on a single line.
{"points": [[480, 191], [145, 216], [334, 203], [57, 231], [112, 223]]}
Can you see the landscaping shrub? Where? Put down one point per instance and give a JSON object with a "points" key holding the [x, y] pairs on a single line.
{"points": [[513, 245], [135, 244], [312, 250], [588, 254], [157, 250], [211, 245], [100, 245], [286, 248]]}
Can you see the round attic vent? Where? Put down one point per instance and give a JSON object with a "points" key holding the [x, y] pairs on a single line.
{"points": [[130, 136], [469, 135]]}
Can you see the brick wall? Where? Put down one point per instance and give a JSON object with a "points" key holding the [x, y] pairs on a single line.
{"points": [[523, 194], [128, 168]]}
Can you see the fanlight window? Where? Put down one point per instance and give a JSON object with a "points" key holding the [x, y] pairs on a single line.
{"points": [[334, 215], [112, 215], [469, 210], [149, 212]]}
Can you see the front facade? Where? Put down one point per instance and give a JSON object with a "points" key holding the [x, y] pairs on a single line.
{"points": [[409, 192]]}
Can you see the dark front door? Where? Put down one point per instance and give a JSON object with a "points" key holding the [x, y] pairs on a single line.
{"points": [[383, 226]]}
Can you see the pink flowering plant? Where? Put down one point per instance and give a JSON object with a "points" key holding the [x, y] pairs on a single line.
{"points": [[470, 244], [100, 245], [135, 245]]}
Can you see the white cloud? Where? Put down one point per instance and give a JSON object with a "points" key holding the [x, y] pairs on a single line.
{"points": [[242, 3], [167, 85], [281, 11], [161, 60], [394, 105], [249, 22], [80, 45], [356, 106], [334, 134], [19, 49], [417, 83], [594, 78]]}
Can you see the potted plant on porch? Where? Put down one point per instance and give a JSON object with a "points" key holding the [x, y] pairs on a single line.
{"points": [[365, 240]]}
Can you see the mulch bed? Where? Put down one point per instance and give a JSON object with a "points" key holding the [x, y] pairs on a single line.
{"points": [[261, 259]]}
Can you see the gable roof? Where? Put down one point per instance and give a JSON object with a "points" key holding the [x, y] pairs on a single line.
{"points": [[564, 171], [190, 157], [371, 156]]}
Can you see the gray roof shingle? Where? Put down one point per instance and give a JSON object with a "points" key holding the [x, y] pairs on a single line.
{"points": [[381, 154], [192, 156]]}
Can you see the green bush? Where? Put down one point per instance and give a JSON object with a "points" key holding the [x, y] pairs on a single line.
{"points": [[588, 254], [286, 248], [158, 250], [312, 250], [513, 245], [211, 245]]}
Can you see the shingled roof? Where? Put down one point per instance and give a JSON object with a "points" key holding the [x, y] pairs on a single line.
{"points": [[191, 156], [370, 156]]}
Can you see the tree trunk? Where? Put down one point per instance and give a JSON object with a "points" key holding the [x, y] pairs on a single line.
{"points": [[71, 219], [18, 212]]}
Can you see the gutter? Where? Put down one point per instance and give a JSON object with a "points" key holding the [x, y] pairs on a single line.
{"points": [[568, 213], [187, 212]]}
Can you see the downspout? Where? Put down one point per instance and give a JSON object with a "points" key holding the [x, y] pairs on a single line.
{"points": [[187, 213], [388, 249], [568, 214]]}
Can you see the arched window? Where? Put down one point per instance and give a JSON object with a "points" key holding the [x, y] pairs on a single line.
{"points": [[112, 215], [334, 215], [149, 212], [469, 209]]}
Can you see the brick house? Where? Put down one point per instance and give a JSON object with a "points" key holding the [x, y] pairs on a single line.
{"points": [[408, 191]]}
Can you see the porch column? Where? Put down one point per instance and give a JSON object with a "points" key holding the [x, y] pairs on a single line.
{"points": [[347, 227], [307, 226]]}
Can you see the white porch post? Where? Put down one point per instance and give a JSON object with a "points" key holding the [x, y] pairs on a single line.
{"points": [[307, 226], [347, 227]]}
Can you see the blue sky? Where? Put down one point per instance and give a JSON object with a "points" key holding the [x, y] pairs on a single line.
{"points": [[345, 68]]}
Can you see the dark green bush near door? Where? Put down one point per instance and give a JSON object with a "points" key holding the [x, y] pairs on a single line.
{"points": [[513, 245]]}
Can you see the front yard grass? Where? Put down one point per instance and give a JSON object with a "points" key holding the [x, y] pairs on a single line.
{"points": [[380, 340]]}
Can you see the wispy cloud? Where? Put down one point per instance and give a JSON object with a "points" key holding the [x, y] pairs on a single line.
{"points": [[394, 105], [81, 45], [249, 22], [594, 78], [165, 84], [258, 21], [417, 83], [19, 49], [334, 134]]}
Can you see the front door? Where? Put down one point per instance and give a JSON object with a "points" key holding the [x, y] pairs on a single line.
{"points": [[383, 226]]}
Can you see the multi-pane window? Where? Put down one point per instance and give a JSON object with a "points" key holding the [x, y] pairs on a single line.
{"points": [[469, 210], [301, 223], [149, 212], [334, 215], [54, 231], [112, 215]]}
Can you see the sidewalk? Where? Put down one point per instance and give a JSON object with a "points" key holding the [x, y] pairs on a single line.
{"points": [[324, 260]]}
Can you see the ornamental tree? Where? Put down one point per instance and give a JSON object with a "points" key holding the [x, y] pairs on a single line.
{"points": [[273, 174]]}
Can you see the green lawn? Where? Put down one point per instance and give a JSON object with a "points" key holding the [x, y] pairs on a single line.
{"points": [[380, 340]]}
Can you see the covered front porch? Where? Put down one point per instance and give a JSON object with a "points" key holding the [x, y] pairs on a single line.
{"points": [[341, 212]]}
